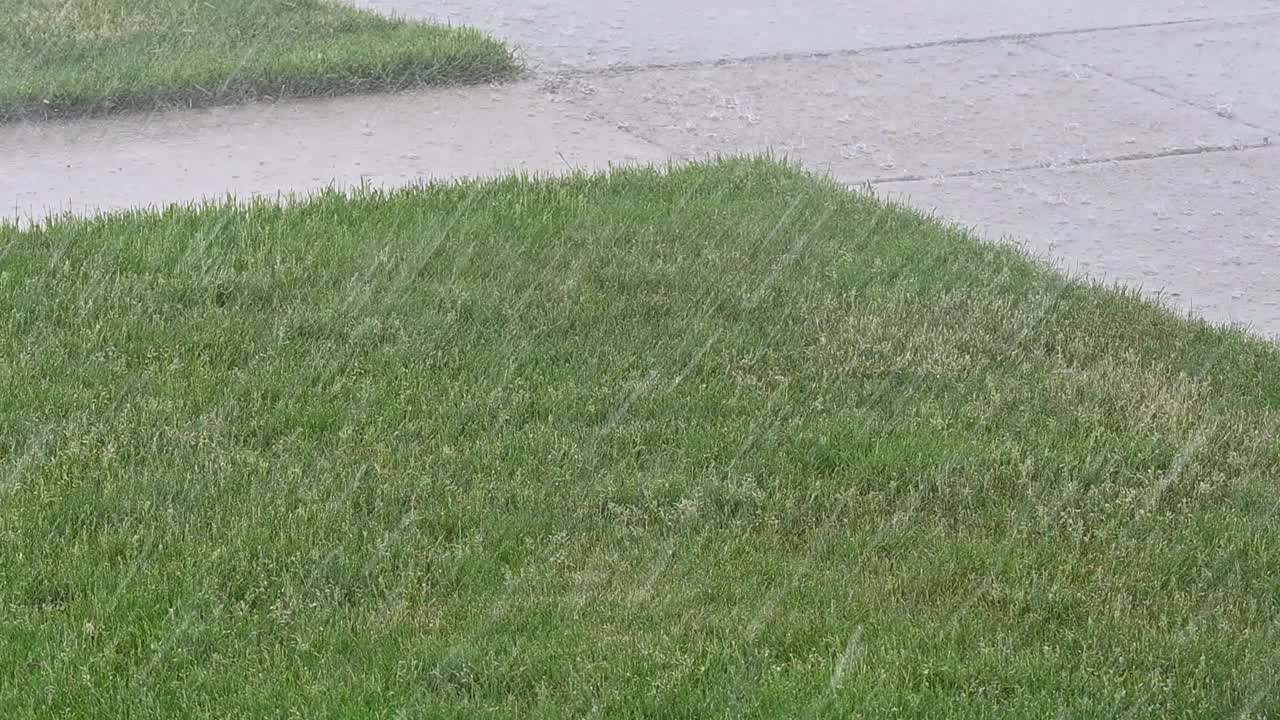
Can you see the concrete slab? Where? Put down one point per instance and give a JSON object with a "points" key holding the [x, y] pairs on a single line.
{"points": [[384, 140], [921, 112], [1225, 67], [1203, 228], [598, 33]]}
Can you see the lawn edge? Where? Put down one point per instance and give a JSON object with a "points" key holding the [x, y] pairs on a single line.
{"points": [[426, 72], [1112, 289]]}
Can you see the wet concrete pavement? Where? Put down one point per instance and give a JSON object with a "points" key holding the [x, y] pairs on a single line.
{"points": [[1200, 229], [297, 147], [1136, 140], [917, 112], [602, 33]]}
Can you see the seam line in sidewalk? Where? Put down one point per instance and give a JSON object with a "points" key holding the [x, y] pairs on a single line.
{"points": [[1080, 162], [1154, 91], [627, 69]]}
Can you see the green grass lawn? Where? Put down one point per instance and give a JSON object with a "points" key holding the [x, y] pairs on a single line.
{"points": [[725, 442], [72, 57]]}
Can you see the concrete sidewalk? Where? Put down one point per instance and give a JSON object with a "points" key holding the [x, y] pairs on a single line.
{"points": [[1137, 141]]}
